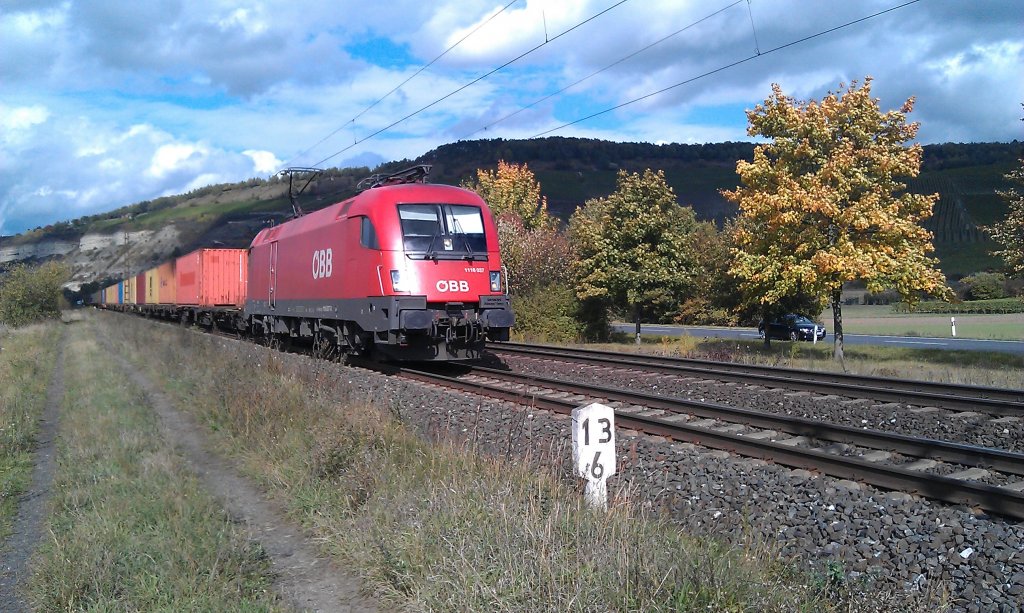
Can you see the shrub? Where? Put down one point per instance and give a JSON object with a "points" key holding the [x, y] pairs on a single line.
{"points": [[29, 295], [547, 314], [985, 286]]}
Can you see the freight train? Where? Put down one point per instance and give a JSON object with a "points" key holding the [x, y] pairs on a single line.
{"points": [[404, 270]]}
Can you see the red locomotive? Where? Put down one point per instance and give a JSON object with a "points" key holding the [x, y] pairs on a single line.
{"points": [[405, 269]]}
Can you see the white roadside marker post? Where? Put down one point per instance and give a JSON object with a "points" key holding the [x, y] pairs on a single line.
{"points": [[952, 324], [593, 450]]}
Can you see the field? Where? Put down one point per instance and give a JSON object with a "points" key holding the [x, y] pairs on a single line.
{"points": [[881, 320]]}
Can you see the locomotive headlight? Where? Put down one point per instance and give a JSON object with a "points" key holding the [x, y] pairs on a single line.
{"points": [[495, 281], [397, 283]]}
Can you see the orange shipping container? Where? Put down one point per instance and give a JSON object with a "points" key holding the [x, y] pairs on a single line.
{"points": [[166, 294], [212, 277]]}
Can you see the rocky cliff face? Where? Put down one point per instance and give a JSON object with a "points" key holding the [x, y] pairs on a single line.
{"points": [[95, 257]]}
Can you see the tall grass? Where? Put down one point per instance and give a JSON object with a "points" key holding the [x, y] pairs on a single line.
{"points": [[433, 526], [132, 528], [27, 358]]}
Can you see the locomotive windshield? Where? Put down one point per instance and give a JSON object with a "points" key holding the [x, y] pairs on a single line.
{"points": [[443, 231]]}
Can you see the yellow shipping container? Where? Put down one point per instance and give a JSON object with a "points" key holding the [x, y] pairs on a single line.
{"points": [[110, 295], [129, 290], [152, 286]]}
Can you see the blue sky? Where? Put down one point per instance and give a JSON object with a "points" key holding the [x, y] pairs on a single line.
{"points": [[110, 102]]}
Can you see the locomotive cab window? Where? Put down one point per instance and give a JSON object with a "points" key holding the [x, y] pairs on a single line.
{"points": [[443, 231], [367, 234]]}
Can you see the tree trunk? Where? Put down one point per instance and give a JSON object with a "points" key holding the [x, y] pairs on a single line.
{"points": [[837, 323], [636, 312]]}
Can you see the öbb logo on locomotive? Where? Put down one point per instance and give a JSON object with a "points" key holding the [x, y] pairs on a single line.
{"points": [[323, 263], [423, 277], [453, 285]]}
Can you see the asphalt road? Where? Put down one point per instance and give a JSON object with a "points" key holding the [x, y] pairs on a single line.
{"points": [[914, 342]]}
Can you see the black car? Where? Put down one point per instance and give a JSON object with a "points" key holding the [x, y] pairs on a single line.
{"points": [[791, 327]]}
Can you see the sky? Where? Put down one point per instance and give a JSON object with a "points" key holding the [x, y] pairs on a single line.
{"points": [[110, 102]]}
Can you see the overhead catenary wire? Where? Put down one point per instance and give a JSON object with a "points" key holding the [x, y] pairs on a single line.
{"points": [[471, 83], [723, 68], [597, 72], [400, 85]]}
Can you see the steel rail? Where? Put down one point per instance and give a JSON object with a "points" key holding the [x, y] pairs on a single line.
{"points": [[991, 400], [945, 451], [990, 498]]}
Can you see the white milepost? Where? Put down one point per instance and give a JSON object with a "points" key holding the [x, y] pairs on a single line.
{"points": [[593, 450], [952, 324]]}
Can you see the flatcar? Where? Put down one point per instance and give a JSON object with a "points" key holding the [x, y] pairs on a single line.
{"points": [[404, 270]]}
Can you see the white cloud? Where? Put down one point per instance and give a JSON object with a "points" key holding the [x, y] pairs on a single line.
{"points": [[263, 162], [170, 158], [19, 119]]}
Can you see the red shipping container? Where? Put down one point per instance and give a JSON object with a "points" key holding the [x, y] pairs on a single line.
{"points": [[140, 288], [212, 277]]}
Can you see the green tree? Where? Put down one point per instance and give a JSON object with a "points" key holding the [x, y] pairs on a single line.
{"points": [[1009, 232], [823, 203], [714, 299], [29, 295], [633, 246]]}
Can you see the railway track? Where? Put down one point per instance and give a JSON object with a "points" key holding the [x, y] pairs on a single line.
{"points": [[993, 401], [885, 460]]}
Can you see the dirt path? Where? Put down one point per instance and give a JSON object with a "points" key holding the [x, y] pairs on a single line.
{"points": [[302, 577], [28, 524]]}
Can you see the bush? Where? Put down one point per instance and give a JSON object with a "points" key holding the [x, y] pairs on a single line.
{"points": [[985, 286], [29, 295], [547, 314], [889, 296]]}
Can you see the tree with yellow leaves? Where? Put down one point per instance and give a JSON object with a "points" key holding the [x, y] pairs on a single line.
{"points": [[512, 188], [823, 203]]}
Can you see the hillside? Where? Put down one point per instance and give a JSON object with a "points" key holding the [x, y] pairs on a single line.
{"points": [[571, 170]]}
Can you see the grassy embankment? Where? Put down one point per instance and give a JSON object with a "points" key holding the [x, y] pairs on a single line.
{"points": [[27, 359], [132, 528], [436, 526]]}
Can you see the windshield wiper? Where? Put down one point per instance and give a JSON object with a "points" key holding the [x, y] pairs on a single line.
{"points": [[457, 228]]}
